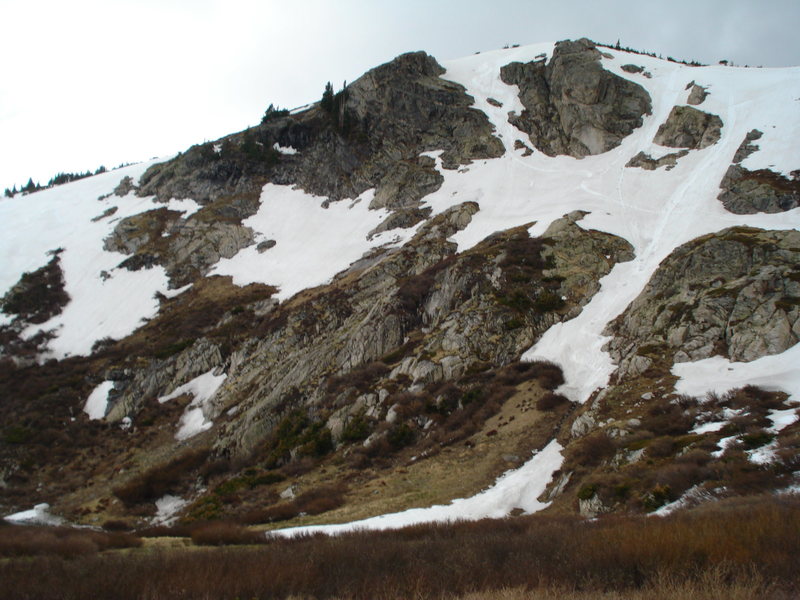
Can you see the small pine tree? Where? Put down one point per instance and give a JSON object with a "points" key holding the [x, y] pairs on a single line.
{"points": [[8, 193], [327, 98], [273, 112]]}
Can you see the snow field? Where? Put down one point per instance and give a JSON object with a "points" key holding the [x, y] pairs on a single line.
{"points": [[104, 301], [313, 243]]}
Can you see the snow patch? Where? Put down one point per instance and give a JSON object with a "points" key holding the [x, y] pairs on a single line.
{"points": [[518, 489], [97, 402], [194, 419], [776, 372], [105, 302], [284, 149], [167, 508], [655, 211], [38, 515]]}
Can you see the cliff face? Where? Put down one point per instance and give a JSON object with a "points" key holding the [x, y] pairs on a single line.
{"points": [[339, 299]]}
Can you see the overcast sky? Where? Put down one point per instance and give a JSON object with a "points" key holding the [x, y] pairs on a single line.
{"points": [[91, 82]]}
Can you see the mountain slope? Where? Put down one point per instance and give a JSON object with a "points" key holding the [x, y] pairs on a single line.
{"points": [[340, 296]]}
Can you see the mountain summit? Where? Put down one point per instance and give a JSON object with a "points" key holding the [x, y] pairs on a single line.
{"points": [[569, 263]]}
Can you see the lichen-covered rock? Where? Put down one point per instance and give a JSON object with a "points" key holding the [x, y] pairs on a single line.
{"points": [[688, 127], [735, 293], [747, 192], [572, 104]]}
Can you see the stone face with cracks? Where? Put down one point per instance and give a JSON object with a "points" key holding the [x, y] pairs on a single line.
{"points": [[688, 127], [735, 293], [572, 104]]}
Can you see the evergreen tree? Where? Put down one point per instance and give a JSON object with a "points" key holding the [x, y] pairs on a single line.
{"points": [[327, 98]]}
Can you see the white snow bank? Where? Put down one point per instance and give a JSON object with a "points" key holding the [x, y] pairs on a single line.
{"points": [[194, 419], [516, 489], [708, 427], [38, 515], [313, 243], [97, 403], [763, 455]]}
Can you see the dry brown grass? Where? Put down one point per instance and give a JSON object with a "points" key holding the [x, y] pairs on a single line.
{"points": [[60, 541], [746, 549]]}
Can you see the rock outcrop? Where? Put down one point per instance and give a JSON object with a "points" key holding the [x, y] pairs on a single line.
{"points": [[746, 192], [697, 94], [735, 294], [572, 104], [688, 127], [647, 162]]}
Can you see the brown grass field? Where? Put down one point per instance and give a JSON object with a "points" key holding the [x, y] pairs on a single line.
{"points": [[748, 548]]}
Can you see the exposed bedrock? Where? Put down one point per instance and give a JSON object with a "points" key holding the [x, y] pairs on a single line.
{"points": [[747, 192], [573, 105], [735, 293], [688, 127]]}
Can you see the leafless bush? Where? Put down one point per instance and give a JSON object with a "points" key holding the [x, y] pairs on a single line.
{"points": [[222, 533], [549, 401]]}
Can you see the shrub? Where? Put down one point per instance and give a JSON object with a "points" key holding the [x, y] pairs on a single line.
{"points": [[593, 449], [549, 401], [400, 436], [756, 439], [586, 491], [273, 112], [664, 418], [662, 447], [357, 428], [117, 525], [297, 431], [313, 502], [547, 301], [225, 534], [61, 541]]}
